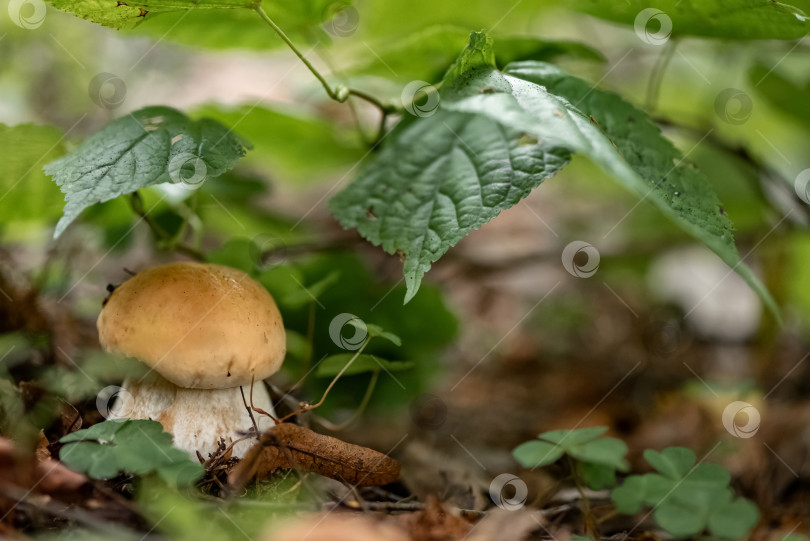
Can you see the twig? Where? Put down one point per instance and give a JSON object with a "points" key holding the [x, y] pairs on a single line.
{"points": [[309, 407], [248, 408], [339, 93], [337, 427]]}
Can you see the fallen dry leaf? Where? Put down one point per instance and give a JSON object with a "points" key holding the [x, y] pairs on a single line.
{"points": [[289, 446]]}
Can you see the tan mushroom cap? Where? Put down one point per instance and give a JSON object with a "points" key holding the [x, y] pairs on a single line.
{"points": [[199, 325]]}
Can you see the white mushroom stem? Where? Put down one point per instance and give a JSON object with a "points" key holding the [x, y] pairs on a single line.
{"points": [[196, 418]]}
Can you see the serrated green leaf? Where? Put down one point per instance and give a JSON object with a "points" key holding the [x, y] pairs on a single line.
{"points": [[438, 178], [537, 453], [134, 446], [104, 432], [417, 197], [150, 146], [425, 54], [672, 462], [570, 438], [736, 19], [26, 195], [332, 365], [539, 99], [130, 13], [604, 451], [92, 458]]}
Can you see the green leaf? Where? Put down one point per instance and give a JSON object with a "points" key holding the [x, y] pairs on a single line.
{"points": [[150, 146], [791, 97], [425, 54], [131, 13], [736, 19], [539, 99], [673, 462], [427, 188], [537, 453], [604, 451], [629, 497], [438, 178], [26, 195], [570, 438], [597, 476], [139, 447], [240, 28], [284, 140], [376, 331], [304, 295], [332, 365], [679, 520]]}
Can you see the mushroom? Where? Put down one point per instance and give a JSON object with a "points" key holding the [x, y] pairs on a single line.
{"points": [[205, 331]]}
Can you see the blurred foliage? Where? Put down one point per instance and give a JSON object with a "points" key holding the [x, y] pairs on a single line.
{"points": [[244, 217]]}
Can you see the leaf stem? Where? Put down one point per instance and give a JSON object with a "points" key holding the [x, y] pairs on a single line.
{"points": [[585, 503], [277, 29], [337, 427], [339, 93], [320, 402]]}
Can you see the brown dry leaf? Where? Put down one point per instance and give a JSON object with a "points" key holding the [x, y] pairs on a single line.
{"points": [[436, 523], [289, 446], [337, 527]]}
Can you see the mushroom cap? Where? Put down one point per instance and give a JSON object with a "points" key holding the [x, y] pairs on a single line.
{"points": [[199, 325]]}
